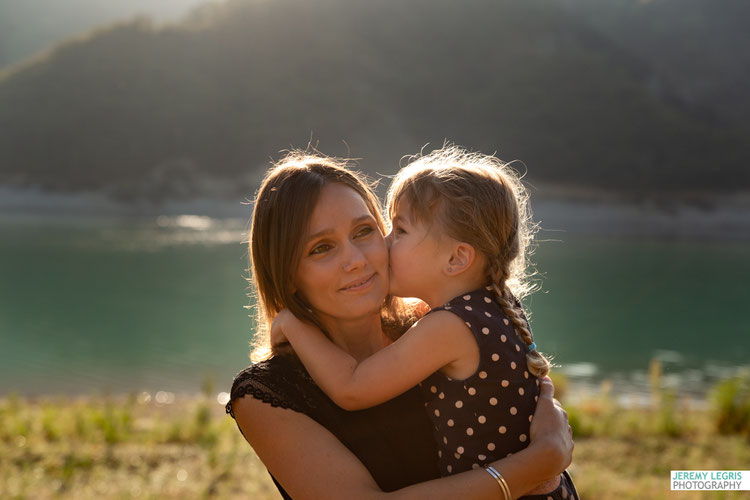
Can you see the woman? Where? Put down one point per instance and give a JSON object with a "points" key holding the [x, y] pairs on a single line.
{"points": [[317, 248]]}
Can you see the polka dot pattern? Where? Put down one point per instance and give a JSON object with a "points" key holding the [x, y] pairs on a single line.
{"points": [[486, 416]]}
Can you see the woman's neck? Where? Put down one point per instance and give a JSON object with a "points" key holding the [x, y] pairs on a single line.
{"points": [[360, 337]]}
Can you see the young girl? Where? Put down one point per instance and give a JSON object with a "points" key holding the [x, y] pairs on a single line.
{"points": [[460, 232]]}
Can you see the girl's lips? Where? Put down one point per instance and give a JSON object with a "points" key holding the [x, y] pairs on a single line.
{"points": [[359, 284]]}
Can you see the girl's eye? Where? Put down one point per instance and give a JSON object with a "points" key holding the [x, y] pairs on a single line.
{"points": [[320, 249]]}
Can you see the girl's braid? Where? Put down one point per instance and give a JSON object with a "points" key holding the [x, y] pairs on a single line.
{"points": [[538, 365]]}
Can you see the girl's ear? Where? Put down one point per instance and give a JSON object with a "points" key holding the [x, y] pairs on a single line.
{"points": [[462, 257]]}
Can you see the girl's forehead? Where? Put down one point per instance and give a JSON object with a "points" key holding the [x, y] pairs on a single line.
{"points": [[402, 207]]}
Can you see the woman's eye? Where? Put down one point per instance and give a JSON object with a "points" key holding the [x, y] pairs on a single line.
{"points": [[320, 249], [365, 231], [400, 230]]}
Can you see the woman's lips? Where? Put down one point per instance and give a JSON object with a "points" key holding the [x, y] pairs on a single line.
{"points": [[360, 284]]}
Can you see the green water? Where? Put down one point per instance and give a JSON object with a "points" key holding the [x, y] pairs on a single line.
{"points": [[111, 305]]}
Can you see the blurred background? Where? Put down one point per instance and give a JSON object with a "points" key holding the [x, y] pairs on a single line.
{"points": [[133, 136]]}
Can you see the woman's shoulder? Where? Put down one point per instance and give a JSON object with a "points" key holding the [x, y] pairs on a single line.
{"points": [[280, 381]]}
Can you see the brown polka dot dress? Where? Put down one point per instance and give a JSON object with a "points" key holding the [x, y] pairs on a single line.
{"points": [[487, 416]]}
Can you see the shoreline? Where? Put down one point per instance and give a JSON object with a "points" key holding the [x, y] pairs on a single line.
{"points": [[559, 210], [633, 390]]}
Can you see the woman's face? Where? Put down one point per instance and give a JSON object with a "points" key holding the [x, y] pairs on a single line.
{"points": [[343, 270]]}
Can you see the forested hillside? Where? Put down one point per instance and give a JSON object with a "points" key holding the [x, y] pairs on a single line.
{"points": [[165, 112], [700, 48], [30, 26]]}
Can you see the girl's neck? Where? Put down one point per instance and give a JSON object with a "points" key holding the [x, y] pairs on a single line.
{"points": [[453, 286], [360, 337]]}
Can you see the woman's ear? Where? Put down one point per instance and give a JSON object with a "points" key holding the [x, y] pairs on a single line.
{"points": [[461, 259]]}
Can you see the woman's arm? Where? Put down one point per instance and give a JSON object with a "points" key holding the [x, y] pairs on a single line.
{"points": [[436, 341], [311, 463]]}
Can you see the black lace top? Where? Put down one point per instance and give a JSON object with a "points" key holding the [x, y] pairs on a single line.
{"points": [[393, 440]]}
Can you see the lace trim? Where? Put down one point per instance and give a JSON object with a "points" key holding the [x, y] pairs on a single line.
{"points": [[262, 394], [275, 382]]}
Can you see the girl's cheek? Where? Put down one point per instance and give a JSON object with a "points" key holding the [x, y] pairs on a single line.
{"points": [[392, 254]]}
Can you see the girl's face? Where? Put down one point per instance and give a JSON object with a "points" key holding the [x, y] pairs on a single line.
{"points": [[416, 255], [343, 270]]}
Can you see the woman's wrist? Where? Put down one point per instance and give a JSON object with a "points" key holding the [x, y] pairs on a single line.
{"points": [[548, 457]]}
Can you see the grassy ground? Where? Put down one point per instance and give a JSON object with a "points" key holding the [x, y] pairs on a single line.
{"points": [[134, 447]]}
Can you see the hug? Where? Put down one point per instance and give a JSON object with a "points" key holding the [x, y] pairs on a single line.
{"points": [[356, 392]]}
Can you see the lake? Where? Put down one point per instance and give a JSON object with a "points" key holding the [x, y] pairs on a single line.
{"points": [[113, 304]]}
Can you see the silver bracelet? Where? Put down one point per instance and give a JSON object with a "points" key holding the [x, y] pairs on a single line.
{"points": [[500, 480]]}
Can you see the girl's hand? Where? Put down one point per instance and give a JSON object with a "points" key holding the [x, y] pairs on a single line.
{"points": [[550, 428], [416, 307], [281, 320], [421, 308]]}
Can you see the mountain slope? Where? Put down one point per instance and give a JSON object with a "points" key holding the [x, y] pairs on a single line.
{"points": [[135, 106]]}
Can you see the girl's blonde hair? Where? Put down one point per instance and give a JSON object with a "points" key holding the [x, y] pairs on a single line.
{"points": [[479, 200], [281, 214]]}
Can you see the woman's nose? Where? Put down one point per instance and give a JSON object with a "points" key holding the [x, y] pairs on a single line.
{"points": [[355, 258]]}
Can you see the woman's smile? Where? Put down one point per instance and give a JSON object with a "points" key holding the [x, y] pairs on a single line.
{"points": [[360, 285]]}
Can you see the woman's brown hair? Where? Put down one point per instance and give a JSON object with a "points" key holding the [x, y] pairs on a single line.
{"points": [[479, 200], [283, 207]]}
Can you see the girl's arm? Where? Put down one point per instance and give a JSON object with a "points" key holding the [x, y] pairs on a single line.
{"points": [[310, 463], [437, 340]]}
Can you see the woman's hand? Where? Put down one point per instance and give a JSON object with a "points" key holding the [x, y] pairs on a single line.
{"points": [[550, 428]]}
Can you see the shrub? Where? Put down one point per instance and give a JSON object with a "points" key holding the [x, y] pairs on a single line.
{"points": [[730, 400]]}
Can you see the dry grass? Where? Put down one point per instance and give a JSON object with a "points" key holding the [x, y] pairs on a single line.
{"points": [[126, 448]]}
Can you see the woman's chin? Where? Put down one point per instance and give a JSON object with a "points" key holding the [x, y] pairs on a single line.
{"points": [[366, 300]]}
